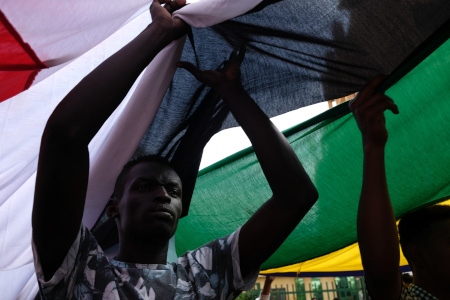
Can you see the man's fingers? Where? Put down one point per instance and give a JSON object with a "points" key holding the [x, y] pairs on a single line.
{"points": [[393, 107], [373, 84], [376, 104], [237, 56], [190, 68], [180, 3], [381, 102], [367, 91], [170, 5], [241, 54], [206, 77], [382, 105], [156, 3], [233, 55]]}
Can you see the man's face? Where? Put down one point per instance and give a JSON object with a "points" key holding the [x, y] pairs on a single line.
{"points": [[437, 251], [151, 202]]}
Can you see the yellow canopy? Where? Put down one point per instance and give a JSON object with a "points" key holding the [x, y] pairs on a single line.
{"points": [[347, 259]]}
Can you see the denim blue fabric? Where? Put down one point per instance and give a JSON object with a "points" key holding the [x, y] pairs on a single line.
{"points": [[298, 53]]}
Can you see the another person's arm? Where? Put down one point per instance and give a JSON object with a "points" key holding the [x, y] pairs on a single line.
{"points": [[293, 192], [63, 167], [376, 225], [265, 292]]}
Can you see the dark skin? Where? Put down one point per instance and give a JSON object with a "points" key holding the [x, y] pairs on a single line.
{"points": [[150, 206], [63, 167], [376, 227], [267, 285], [64, 163], [293, 192], [376, 223]]}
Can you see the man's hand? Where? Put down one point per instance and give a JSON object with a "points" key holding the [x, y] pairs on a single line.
{"points": [[228, 77], [377, 231], [368, 109], [162, 15], [293, 192]]}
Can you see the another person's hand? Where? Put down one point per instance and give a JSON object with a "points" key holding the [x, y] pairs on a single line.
{"points": [[368, 109], [228, 77], [162, 15]]}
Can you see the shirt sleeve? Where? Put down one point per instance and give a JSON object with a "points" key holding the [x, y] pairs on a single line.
{"points": [[214, 268], [243, 283], [263, 297], [46, 287], [77, 271]]}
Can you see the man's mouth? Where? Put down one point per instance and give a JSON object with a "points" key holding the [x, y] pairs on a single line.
{"points": [[161, 213]]}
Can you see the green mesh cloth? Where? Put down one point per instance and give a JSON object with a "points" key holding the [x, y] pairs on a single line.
{"points": [[329, 146]]}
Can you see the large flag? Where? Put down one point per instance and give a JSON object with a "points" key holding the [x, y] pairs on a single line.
{"points": [[56, 34], [330, 148], [298, 54]]}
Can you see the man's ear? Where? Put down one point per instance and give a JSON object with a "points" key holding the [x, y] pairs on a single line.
{"points": [[111, 208]]}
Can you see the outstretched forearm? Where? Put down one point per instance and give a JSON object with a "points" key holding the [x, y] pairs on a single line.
{"points": [[284, 172], [376, 227], [377, 232], [63, 169], [280, 164], [293, 192], [267, 286], [84, 110]]}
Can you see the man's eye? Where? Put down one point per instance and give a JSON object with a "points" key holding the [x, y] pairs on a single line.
{"points": [[174, 192], [143, 187]]}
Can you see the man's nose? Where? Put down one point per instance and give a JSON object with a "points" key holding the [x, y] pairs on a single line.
{"points": [[162, 195]]}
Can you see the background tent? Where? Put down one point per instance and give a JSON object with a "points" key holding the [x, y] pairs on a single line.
{"points": [[299, 54], [343, 262]]}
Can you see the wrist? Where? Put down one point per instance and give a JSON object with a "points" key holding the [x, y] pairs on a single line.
{"points": [[171, 28], [230, 90], [373, 148], [160, 33]]}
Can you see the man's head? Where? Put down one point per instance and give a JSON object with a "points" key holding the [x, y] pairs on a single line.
{"points": [[147, 199], [425, 238], [120, 180]]}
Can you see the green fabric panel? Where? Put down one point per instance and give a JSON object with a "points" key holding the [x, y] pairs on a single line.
{"points": [[329, 146]]}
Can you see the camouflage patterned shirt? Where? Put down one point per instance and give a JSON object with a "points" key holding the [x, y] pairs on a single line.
{"points": [[209, 272]]}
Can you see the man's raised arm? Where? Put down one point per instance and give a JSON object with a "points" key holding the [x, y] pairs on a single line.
{"points": [[63, 167], [376, 227], [293, 192]]}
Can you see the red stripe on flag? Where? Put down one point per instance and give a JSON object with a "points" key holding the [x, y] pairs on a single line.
{"points": [[19, 64]]}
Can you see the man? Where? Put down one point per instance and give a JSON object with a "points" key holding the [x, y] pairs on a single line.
{"points": [[424, 234], [147, 197]]}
